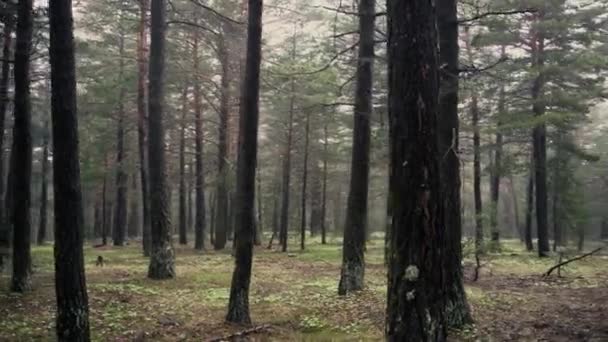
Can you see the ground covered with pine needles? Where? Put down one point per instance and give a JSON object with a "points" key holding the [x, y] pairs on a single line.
{"points": [[294, 297]]}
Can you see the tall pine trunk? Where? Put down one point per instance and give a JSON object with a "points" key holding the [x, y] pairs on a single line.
{"points": [[4, 100], [304, 183], [162, 255], [529, 209], [70, 284], [238, 306], [497, 164], [120, 213], [457, 308], [199, 183], [133, 226], [22, 149], [285, 187], [142, 118], [324, 188], [42, 223], [353, 261], [415, 303], [183, 213]]}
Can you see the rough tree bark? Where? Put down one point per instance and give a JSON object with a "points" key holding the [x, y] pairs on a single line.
{"points": [[4, 100], [415, 309], [353, 261], [120, 208], [22, 149], [457, 308], [142, 118], [199, 226], [238, 306], [42, 222], [70, 285], [162, 255]]}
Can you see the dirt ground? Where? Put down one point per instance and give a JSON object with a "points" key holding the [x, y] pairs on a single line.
{"points": [[293, 297]]}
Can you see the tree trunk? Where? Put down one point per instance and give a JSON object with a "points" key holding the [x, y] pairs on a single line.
{"points": [[515, 207], [529, 208], [557, 214], [476, 161], [97, 220], [604, 231], [284, 222], [133, 227], [200, 181], [353, 261], [212, 204], [120, 207], [4, 100], [162, 255], [70, 285], [257, 237], [415, 303], [22, 149], [238, 306], [324, 187], [44, 186], [222, 219], [183, 226], [105, 210], [304, 183], [142, 118], [457, 308], [497, 167], [581, 238]]}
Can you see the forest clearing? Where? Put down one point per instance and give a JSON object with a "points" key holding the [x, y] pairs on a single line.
{"points": [[294, 297]]}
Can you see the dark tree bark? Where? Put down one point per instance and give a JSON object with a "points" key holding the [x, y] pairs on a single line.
{"points": [[199, 182], [476, 161], [529, 208], [315, 198], [42, 223], [539, 143], [97, 220], [70, 284], [133, 226], [183, 225], [604, 231], [558, 164], [222, 219], [212, 204], [190, 186], [353, 261], [106, 207], [257, 237], [415, 309], [22, 149], [238, 306], [142, 118], [457, 308], [515, 207], [581, 238], [304, 183], [285, 187], [120, 207], [4, 100], [162, 255]]}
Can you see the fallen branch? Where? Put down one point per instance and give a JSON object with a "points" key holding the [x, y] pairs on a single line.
{"points": [[243, 333], [548, 273]]}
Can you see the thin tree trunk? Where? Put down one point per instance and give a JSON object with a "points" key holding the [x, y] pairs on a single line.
{"points": [[457, 308], [515, 207], [257, 237], [142, 118], [415, 302], [133, 227], [212, 204], [353, 251], [497, 167], [120, 213], [162, 255], [44, 186], [22, 149], [557, 215], [238, 306], [304, 183], [529, 208], [183, 238], [200, 180], [70, 285], [324, 188]]}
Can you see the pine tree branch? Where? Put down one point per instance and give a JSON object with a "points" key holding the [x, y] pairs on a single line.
{"points": [[496, 13]]}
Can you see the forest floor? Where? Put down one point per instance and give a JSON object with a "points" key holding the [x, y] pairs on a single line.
{"points": [[293, 297]]}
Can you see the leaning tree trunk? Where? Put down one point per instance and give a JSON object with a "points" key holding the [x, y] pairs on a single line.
{"points": [[142, 117], [4, 100], [70, 285], [120, 208], [353, 261], [304, 183], [199, 182], [183, 225], [42, 223], [162, 255], [457, 308], [238, 306], [22, 149], [415, 308]]}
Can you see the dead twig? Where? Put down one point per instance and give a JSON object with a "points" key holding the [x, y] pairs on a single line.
{"points": [[548, 273]]}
